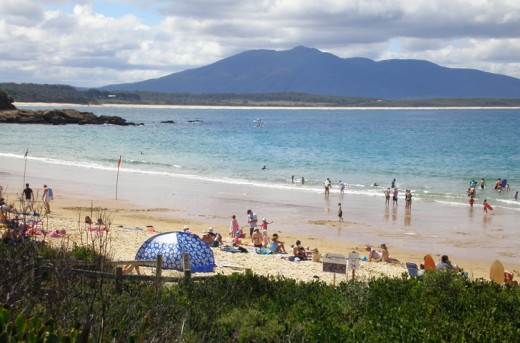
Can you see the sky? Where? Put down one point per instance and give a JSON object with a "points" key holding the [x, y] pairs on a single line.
{"points": [[93, 43]]}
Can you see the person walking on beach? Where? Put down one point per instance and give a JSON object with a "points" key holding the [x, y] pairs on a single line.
{"points": [[47, 197], [340, 212], [486, 206], [341, 187], [387, 196], [29, 197], [394, 198], [327, 187], [252, 219]]}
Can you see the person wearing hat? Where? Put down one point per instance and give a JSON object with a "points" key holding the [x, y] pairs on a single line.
{"points": [[265, 223]]}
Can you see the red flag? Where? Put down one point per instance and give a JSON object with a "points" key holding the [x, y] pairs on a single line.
{"points": [[119, 162]]}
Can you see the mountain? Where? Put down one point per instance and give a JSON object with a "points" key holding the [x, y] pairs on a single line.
{"points": [[308, 70]]}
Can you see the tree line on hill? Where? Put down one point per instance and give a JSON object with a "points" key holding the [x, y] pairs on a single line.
{"points": [[30, 92]]}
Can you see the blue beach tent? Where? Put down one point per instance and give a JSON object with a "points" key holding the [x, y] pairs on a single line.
{"points": [[172, 246]]}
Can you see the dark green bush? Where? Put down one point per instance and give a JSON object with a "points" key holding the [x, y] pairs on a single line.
{"points": [[244, 308]]}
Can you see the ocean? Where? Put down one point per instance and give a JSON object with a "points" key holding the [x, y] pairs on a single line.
{"points": [[433, 152]]}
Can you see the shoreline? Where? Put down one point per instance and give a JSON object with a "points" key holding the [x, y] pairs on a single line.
{"points": [[312, 220], [45, 104]]}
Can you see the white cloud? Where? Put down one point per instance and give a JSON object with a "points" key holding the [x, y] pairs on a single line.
{"points": [[90, 43]]}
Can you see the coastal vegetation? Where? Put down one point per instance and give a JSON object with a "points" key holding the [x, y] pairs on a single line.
{"points": [[28, 92], [71, 307]]}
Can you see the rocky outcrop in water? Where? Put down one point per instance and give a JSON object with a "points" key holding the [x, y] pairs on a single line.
{"points": [[60, 117]]}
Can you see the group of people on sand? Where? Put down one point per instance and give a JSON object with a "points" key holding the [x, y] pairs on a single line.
{"points": [[29, 199], [381, 255], [258, 235]]}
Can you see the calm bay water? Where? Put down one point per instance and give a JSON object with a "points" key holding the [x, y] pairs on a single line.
{"points": [[434, 152]]}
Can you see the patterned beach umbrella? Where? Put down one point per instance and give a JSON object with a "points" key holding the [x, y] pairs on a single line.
{"points": [[172, 246]]}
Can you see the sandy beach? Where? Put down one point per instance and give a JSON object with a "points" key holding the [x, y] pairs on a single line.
{"points": [[168, 204]]}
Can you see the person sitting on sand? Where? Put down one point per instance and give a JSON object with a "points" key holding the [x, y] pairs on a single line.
{"points": [[508, 279], [208, 237], [373, 254], [130, 267], [257, 238], [300, 255], [276, 246], [445, 264], [386, 255], [296, 247]]}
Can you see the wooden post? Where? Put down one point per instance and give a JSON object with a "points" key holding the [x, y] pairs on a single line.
{"points": [[353, 274], [119, 280], [334, 279], [37, 274], [158, 268], [186, 267]]}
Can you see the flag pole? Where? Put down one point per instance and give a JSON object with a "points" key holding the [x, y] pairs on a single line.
{"points": [[117, 178], [25, 166]]}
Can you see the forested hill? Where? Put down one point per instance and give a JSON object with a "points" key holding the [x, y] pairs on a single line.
{"points": [[311, 71], [28, 92]]}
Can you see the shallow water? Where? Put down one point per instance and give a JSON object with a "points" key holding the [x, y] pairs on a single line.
{"points": [[208, 170]]}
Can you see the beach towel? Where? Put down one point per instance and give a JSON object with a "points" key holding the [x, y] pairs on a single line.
{"points": [[263, 251], [233, 250]]}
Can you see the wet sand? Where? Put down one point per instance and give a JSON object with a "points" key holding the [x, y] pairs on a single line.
{"points": [[471, 239]]}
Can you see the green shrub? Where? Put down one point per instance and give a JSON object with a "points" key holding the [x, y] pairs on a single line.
{"points": [[243, 308]]}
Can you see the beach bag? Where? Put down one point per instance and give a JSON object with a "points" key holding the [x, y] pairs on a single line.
{"points": [[50, 194]]}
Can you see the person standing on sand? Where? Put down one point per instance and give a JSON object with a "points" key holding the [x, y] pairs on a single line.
{"points": [[29, 197], [233, 226], [486, 206], [387, 196], [394, 198], [327, 187], [252, 219], [47, 197], [340, 212]]}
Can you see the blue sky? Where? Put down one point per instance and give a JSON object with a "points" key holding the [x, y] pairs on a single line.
{"points": [[92, 43]]}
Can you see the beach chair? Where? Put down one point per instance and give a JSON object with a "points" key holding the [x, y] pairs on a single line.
{"points": [[413, 271]]}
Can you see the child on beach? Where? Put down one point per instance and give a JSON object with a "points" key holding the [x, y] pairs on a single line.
{"points": [[233, 226], [265, 223]]}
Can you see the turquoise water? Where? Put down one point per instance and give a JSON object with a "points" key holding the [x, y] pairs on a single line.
{"points": [[433, 152]]}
